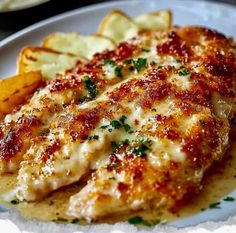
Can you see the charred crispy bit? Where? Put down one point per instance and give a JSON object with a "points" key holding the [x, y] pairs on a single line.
{"points": [[151, 123]]}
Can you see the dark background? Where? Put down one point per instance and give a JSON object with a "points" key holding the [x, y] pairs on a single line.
{"points": [[13, 21]]}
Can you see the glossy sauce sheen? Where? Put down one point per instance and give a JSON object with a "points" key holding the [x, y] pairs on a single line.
{"points": [[54, 208]]}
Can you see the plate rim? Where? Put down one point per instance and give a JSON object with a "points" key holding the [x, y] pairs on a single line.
{"points": [[98, 6], [92, 7]]}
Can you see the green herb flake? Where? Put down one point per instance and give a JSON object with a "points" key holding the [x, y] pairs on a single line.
{"points": [[15, 202], [146, 50], [183, 72], [91, 87], [117, 71], [215, 205], [114, 145], [154, 110], [129, 61], [109, 62], [140, 150], [153, 63], [112, 178], [126, 127], [75, 220], [202, 122], [137, 220], [94, 137], [122, 119], [84, 99], [143, 139], [104, 126], [140, 63], [229, 199], [115, 124], [115, 165], [126, 141]]}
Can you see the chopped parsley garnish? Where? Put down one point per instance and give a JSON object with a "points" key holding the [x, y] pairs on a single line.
{"points": [[112, 178], [126, 141], [215, 205], [94, 137], [202, 122], [122, 119], [137, 64], [129, 61], [115, 165], [84, 99], [154, 110], [117, 71], [91, 87], [15, 202], [137, 220], [140, 150], [126, 127], [143, 139], [114, 145], [104, 126], [109, 62], [229, 199], [75, 220], [115, 124], [183, 72], [140, 63], [146, 50]]}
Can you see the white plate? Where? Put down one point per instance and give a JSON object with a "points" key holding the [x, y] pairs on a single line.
{"points": [[85, 20]]}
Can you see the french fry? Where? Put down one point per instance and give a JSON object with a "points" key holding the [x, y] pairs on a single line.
{"points": [[78, 45], [159, 20], [14, 90], [45, 60], [118, 26]]}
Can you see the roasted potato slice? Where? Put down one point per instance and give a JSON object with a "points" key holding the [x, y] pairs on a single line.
{"points": [[14, 90], [47, 61], [78, 45], [118, 26], [158, 20]]}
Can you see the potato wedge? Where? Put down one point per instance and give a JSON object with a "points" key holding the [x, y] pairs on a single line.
{"points": [[47, 61], [14, 90], [118, 26], [78, 45], [159, 20]]}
